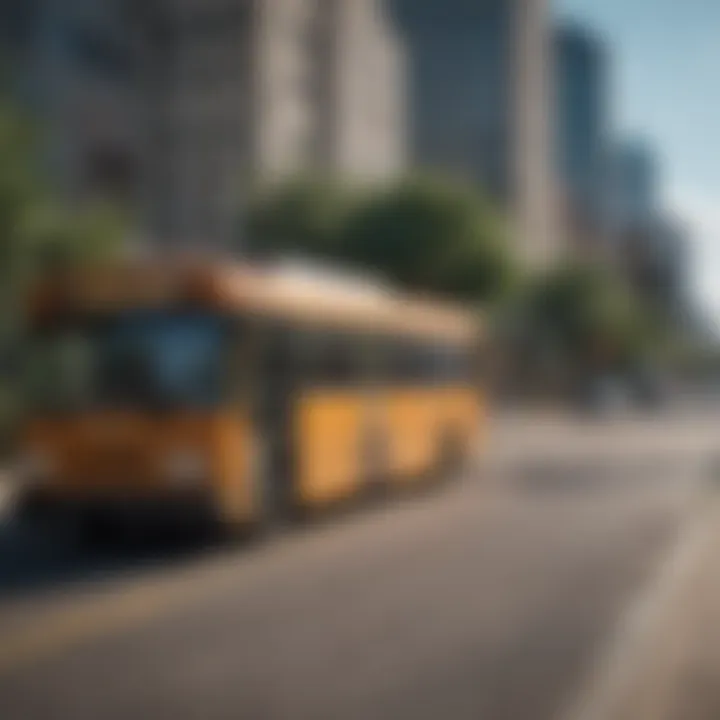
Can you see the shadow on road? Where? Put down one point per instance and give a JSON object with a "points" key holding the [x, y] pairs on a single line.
{"points": [[32, 562]]}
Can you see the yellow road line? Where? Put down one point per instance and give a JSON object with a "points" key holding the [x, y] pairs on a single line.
{"points": [[96, 616], [99, 616]]}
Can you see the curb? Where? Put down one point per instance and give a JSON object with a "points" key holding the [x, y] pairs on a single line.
{"points": [[634, 677]]}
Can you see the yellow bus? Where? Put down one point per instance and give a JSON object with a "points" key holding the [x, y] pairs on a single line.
{"points": [[245, 392]]}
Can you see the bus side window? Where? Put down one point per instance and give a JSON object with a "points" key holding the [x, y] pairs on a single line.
{"points": [[404, 362], [278, 352], [464, 365], [334, 359], [241, 352], [458, 370], [452, 365], [379, 366], [376, 359], [395, 362], [477, 363], [434, 364]]}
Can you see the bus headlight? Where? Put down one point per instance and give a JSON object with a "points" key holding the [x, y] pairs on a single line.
{"points": [[35, 467], [185, 468]]}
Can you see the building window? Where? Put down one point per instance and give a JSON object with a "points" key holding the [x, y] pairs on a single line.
{"points": [[101, 53], [111, 172]]}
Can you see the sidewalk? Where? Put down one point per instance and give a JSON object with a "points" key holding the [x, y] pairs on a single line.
{"points": [[677, 674], [545, 436]]}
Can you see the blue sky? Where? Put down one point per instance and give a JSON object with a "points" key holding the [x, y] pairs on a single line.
{"points": [[665, 69]]}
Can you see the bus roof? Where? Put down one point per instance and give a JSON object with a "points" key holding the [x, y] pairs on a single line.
{"points": [[272, 291]]}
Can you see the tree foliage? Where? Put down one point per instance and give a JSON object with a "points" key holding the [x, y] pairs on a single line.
{"points": [[305, 215], [58, 236], [19, 192], [35, 228], [35, 231], [433, 235], [589, 316], [424, 234]]}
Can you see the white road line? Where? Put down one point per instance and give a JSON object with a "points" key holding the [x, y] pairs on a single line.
{"points": [[630, 647]]}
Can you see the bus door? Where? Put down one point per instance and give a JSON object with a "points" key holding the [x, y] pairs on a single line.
{"points": [[375, 434], [275, 394]]}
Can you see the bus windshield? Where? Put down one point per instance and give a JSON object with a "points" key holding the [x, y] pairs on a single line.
{"points": [[146, 360]]}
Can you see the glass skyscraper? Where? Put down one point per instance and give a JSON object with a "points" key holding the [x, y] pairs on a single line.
{"points": [[479, 104]]}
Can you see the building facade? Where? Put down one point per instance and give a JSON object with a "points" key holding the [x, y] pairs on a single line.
{"points": [[632, 180], [582, 115], [480, 99], [582, 130], [358, 63], [198, 107], [72, 65], [179, 107], [655, 258]]}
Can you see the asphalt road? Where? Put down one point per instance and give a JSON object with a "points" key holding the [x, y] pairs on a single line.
{"points": [[488, 598]]}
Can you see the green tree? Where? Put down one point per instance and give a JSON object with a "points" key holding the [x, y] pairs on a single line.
{"points": [[589, 317], [19, 193], [35, 229], [432, 234], [57, 236], [35, 232], [303, 215], [423, 233]]}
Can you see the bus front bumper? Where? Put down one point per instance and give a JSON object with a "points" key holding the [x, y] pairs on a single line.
{"points": [[181, 507]]}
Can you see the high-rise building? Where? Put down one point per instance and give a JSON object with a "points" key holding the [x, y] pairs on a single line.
{"points": [[239, 92], [655, 257], [480, 92], [179, 106], [650, 245], [631, 181], [72, 65], [360, 107], [582, 114], [200, 105], [581, 136]]}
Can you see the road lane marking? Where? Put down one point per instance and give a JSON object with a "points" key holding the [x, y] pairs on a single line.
{"points": [[104, 615], [139, 601], [98, 616], [135, 601], [611, 678]]}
